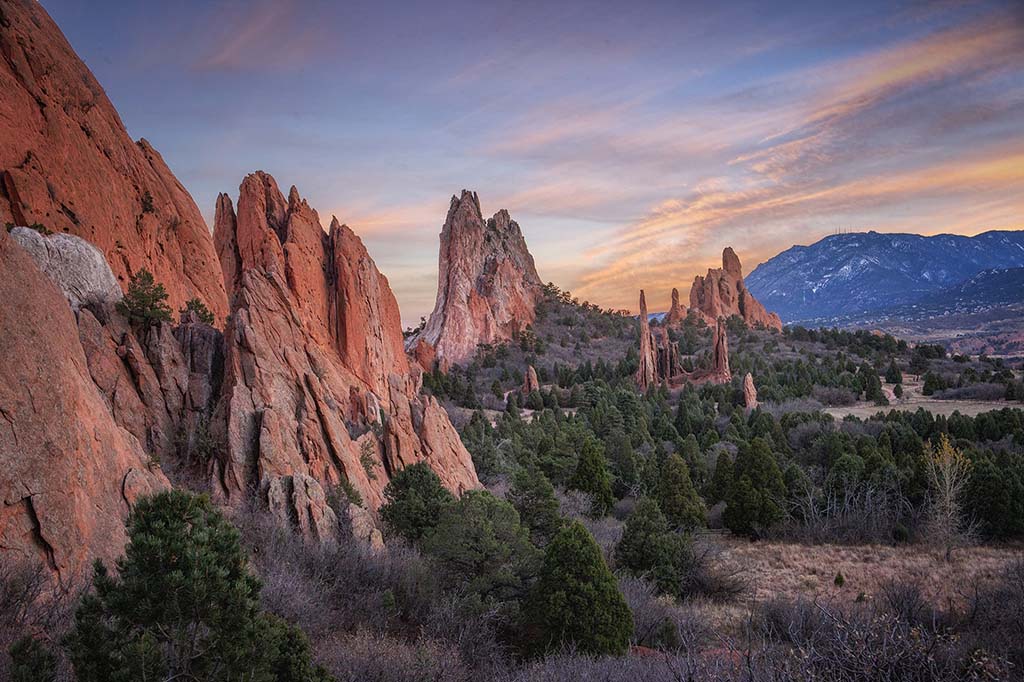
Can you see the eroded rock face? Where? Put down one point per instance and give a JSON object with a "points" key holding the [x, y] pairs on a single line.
{"points": [[75, 265], [67, 163], [647, 370], [721, 293], [659, 361], [488, 286], [317, 387], [71, 472]]}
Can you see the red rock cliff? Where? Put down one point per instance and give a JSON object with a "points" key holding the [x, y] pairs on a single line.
{"points": [[721, 293], [67, 162], [317, 386], [487, 285], [69, 472]]}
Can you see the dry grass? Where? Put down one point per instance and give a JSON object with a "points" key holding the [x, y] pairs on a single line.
{"points": [[790, 571]]}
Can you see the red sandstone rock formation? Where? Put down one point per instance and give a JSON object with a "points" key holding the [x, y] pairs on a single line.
{"points": [[676, 314], [749, 393], [530, 382], [70, 470], [647, 370], [317, 386], [67, 162], [487, 286], [721, 293]]}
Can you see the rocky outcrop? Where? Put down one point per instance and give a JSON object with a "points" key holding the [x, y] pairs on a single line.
{"points": [[71, 472], [530, 382], [677, 313], [722, 293], [75, 265], [647, 369], [488, 286], [317, 387], [749, 393], [67, 163]]}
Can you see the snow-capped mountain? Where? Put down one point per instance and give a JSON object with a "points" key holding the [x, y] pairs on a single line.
{"points": [[851, 273]]}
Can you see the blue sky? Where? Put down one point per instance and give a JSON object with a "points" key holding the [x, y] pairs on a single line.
{"points": [[632, 142]]}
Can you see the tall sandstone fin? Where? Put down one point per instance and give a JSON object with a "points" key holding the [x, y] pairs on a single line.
{"points": [[487, 284], [68, 163], [317, 385]]}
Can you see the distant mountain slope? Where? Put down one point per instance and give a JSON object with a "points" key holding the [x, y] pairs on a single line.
{"points": [[868, 271]]}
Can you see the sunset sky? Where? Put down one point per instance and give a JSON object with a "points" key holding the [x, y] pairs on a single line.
{"points": [[631, 141]]}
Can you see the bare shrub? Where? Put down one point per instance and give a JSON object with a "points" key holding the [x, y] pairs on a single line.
{"points": [[834, 396], [972, 392], [374, 657], [707, 576], [860, 514], [792, 405], [661, 623], [994, 616], [33, 604]]}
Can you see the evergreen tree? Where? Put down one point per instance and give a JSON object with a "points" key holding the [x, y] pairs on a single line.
{"points": [[721, 481], [649, 549], [32, 662], [755, 498], [576, 600], [592, 478], [413, 502], [677, 497], [145, 303], [893, 375], [483, 547], [182, 606], [533, 496]]}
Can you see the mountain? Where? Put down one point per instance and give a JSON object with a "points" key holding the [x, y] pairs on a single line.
{"points": [[847, 274], [68, 164], [487, 285]]}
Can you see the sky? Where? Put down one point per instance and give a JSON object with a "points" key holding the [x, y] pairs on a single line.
{"points": [[631, 141]]}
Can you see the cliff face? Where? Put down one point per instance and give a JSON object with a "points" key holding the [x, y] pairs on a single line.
{"points": [[67, 163], [722, 293], [487, 286], [317, 385], [71, 469]]}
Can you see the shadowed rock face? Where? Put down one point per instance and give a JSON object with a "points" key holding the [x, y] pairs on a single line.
{"points": [[487, 286], [67, 162], [317, 384], [721, 293], [71, 472]]}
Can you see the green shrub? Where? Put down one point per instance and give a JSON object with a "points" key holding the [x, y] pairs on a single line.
{"points": [[648, 549], [677, 497], [414, 500], [592, 478], [533, 496], [145, 302], [182, 605], [576, 600], [194, 305], [482, 545], [31, 661]]}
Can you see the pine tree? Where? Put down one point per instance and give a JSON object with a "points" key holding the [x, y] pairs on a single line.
{"points": [[893, 375], [413, 502], [721, 481], [32, 662], [649, 549], [755, 498], [576, 600], [592, 478], [677, 497], [533, 496], [146, 301], [182, 605]]}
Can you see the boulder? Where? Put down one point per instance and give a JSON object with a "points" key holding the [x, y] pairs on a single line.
{"points": [[530, 382], [75, 265]]}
